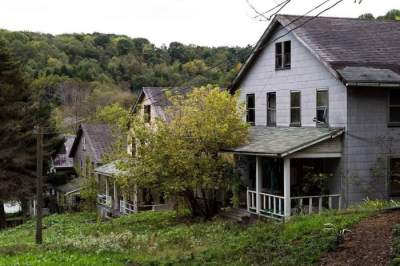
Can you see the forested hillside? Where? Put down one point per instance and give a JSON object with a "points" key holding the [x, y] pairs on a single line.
{"points": [[80, 73]]}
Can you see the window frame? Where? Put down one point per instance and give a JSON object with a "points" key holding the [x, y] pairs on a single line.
{"points": [[323, 124], [296, 107], [83, 143], [269, 109], [283, 55], [390, 123], [389, 176], [250, 109], [147, 113]]}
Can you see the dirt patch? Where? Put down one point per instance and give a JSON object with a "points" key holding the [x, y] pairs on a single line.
{"points": [[370, 243]]}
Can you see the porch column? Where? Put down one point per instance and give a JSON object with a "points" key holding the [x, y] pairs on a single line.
{"points": [[116, 198], [135, 198], [258, 183], [286, 186], [107, 189]]}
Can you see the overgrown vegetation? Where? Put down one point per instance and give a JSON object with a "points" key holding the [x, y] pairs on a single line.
{"points": [[167, 238]]}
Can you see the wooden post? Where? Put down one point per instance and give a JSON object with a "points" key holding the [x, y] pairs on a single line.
{"points": [[258, 183], [116, 200], [286, 187], [39, 184]]}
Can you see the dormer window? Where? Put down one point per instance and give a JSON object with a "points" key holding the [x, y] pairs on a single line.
{"points": [[147, 113], [282, 55]]}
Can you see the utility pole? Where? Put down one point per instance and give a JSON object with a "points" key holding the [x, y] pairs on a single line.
{"points": [[39, 184]]}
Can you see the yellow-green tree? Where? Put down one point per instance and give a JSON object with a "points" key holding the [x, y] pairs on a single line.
{"points": [[181, 156]]}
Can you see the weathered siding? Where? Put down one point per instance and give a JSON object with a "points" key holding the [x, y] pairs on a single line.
{"points": [[307, 74], [82, 155], [369, 142]]}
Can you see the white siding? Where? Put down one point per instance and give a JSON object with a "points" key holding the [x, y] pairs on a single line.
{"points": [[307, 74]]}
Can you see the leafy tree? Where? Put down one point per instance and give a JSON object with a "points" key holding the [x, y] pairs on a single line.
{"points": [[182, 157], [393, 14]]}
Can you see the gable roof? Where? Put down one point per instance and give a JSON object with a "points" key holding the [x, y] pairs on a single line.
{"points": [[339, 43], [158, 96], [283, 141], [99, 140]]}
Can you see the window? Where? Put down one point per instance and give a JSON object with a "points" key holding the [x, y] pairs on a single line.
{"points": [[283, 55], [295, 109], [147, 113], [271, 109], [250, 109], [394, 177], [322, 107], [394, 107], [84, 143]]}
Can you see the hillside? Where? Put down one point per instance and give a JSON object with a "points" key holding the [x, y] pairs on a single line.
{"points": [[169, 239]]}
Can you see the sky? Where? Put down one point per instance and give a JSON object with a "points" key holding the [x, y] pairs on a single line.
{"points": [[201, 22]]}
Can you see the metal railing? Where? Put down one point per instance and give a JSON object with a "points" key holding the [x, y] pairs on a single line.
{"points": [[315, 204]]}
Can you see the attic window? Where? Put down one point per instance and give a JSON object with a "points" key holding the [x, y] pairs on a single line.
{"points": [[282, 55], [147, 113], [394, 107], [322, 107]]}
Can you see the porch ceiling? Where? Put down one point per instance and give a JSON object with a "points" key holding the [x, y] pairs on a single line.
{"points": [[282, 141], [109, 169]]}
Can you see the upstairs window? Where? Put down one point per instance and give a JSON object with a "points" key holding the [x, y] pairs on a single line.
{"points": [[322, 108], [271, 109], [394, 107], [84, 143], [295, 109], [250, 109], [282, 55], [147, 113]]}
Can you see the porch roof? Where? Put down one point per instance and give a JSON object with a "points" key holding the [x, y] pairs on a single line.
{"points": [[282, 141], [74, 185], [109, 169]]}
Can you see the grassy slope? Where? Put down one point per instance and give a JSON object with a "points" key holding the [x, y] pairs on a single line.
{"points": [[168, 239]]}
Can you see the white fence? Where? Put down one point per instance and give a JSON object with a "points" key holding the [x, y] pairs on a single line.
{"points": [[104, 200], [126, 208]]}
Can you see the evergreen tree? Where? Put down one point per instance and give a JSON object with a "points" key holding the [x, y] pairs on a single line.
{"points": [[19, 112]]}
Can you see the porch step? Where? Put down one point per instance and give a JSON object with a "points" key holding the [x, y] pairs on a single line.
{"points": [[236, 214]]}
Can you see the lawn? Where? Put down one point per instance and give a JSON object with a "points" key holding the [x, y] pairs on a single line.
{"points": [[166, 238]]}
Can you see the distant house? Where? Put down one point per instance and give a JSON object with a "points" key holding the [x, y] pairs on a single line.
{"points": [[150, 105], [83, 153], [323, 94]]}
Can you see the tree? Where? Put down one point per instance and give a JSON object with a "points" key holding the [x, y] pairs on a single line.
{"points": [[19, 113], [393, 14], [181, 157]]}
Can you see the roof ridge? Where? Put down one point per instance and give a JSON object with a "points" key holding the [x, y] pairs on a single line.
{"points": [[348, 18]]}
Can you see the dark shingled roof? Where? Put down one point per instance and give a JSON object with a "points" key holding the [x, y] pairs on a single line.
{"points": [[99, 139], [282, 141], [341, 43], [158, 96]]}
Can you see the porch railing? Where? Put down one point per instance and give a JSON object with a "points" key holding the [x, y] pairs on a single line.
{"points": [[273, 205], [315, 204], [270, 205], [126, 207], [104, 200], [156, 207]]}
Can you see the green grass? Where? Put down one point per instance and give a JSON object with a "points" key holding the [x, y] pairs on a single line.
{"points": [[168, 239]]}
